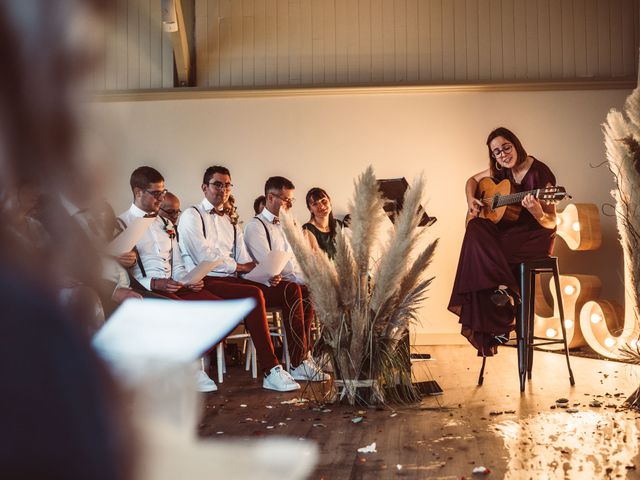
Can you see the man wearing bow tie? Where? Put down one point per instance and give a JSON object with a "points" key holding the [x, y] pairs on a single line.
{"points": [[207, 233], [264, 234], [159, 267]]}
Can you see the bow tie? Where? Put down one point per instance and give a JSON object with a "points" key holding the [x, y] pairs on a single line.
{"points": [[275, 221], [150, 215], [214, 211]]}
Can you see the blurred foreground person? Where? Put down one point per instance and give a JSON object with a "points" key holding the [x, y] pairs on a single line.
{"points": [[61, 414], [59, 410]]}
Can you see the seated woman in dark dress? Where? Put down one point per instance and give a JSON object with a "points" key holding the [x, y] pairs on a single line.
{"points": [[485, 290], [320, 230]]}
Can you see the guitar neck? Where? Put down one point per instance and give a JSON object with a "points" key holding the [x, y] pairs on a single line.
{"points": [[512, 198]]}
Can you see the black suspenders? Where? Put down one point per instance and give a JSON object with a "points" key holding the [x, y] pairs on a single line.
{"points": [[266, 230]]}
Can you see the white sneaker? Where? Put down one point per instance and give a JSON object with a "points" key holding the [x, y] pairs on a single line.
{"points": [[279, 380], [204, 383], [308, 370]]}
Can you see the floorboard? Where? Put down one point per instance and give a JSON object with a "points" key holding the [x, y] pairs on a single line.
{"points": [[514, 435]]}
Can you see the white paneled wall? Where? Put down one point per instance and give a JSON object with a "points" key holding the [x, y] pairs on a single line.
{"points": [[277, 43], [137, 54], [290, 43]]}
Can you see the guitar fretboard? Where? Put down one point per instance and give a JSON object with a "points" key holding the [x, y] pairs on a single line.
{"points": [[512, 198]]}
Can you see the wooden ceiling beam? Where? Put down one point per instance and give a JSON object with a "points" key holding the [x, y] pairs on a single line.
{"points": [[179, 41]]}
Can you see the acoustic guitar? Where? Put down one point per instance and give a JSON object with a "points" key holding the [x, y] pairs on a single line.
{"points": [[501, 203]]}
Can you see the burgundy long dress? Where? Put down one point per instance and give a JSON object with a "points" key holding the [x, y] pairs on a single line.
{"points": [[490, 256]]}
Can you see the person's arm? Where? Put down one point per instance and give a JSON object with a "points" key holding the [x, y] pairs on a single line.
{"points": [[255, 238], [194, 243], [135, 271], [167, 285], [178, 269], [292, 271], [545, 214], [311, 238], [127, 260], [244, 261], [474, 205], [113, 271], [120, 294]]}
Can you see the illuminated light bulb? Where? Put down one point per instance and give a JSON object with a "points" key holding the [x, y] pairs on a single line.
{"points": [[609, 342], [551, 332], [558, 220], [575, 226], [568, 323], [595, 317], [569, 290]]}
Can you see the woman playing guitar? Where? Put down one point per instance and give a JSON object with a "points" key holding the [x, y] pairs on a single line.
{"points": [[485, 289]]}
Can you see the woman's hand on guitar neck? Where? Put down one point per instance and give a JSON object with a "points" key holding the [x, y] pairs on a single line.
{"points": [[534, 206]]}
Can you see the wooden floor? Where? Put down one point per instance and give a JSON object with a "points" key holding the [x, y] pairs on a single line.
{"points": [[494, 426]]}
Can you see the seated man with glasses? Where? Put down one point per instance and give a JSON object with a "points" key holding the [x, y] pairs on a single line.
{"points": [[170, 208], [208, 232], [263, 234], [159, 267]]}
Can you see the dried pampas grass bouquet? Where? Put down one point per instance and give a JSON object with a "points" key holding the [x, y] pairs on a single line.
{"points": [[365, 308]]}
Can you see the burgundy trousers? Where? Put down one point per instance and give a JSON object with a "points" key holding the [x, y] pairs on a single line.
{"points": [[291, 298], [256, 321]]}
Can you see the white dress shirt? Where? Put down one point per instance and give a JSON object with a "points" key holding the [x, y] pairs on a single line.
{"points": [[258, 245], [159, 254], [216, 242]]}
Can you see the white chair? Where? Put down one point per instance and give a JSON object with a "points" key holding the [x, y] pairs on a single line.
{"points": [[250, 354]]}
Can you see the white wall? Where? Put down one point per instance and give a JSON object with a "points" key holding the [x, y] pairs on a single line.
{"points": [[327, 140]]}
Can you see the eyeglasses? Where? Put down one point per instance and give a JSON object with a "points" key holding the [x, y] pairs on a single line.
{"points": [[288, 201], [157, 194], [172, 212], [323, 201], [506, 149], [220, 185]]}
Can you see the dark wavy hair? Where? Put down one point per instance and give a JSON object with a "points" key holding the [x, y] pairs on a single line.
{"points": [[315, 194], [511, 138]]}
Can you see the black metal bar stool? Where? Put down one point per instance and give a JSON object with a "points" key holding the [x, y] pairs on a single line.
{"points": [[526, 340]]}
